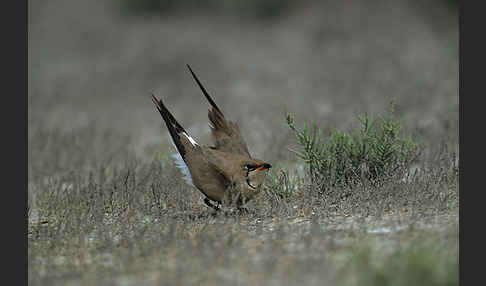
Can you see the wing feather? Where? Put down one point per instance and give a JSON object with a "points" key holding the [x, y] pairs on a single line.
{"points": [[191, 161], [225, 134]]}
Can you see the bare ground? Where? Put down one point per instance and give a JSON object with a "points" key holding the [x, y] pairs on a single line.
{"points": [[107, 207]]}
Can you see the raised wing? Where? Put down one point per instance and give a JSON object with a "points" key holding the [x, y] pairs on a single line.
{"points": [[191, 161], [226, 135], [181, 140]]}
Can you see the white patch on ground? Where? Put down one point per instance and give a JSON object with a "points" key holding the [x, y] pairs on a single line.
{"points": [[411, 174], [384, 229]]}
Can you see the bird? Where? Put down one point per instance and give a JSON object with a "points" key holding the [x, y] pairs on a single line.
{"points": [[225, 172]]}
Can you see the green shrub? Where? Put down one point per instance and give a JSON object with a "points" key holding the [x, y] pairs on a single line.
{"points": [[376, 151], [422, 264]]}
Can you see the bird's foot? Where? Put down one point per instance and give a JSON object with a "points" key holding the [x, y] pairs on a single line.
{"points": [[209, 204]]}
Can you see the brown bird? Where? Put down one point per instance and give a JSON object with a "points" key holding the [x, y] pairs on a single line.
{"points": [[225, 172]]}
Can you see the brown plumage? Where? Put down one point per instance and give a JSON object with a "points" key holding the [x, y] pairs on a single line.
{"points": [[225, 172]]}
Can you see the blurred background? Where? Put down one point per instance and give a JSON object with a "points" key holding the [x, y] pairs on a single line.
{"points": [[94, 63]]}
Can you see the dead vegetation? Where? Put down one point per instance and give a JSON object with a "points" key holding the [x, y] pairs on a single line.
{"points": [[106, 206]]}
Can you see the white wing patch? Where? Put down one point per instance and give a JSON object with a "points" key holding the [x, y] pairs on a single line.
{"points": [[193, 142], [180, 164]]}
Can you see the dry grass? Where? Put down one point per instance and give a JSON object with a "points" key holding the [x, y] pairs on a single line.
{"points": [[107, 206]]}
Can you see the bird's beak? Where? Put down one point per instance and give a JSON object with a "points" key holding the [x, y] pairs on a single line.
{"points": [[264, 166]]}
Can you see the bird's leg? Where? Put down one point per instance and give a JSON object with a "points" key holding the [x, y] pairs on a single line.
{"points": [[209, 204]]}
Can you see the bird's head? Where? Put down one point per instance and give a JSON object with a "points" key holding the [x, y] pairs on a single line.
{"points": [[245, 175], [254, 173]]}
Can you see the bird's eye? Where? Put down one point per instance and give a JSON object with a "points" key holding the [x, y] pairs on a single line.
{"points": [[250, 168]]}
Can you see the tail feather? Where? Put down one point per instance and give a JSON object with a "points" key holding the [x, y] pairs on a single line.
{"points": [[206, 94]]}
